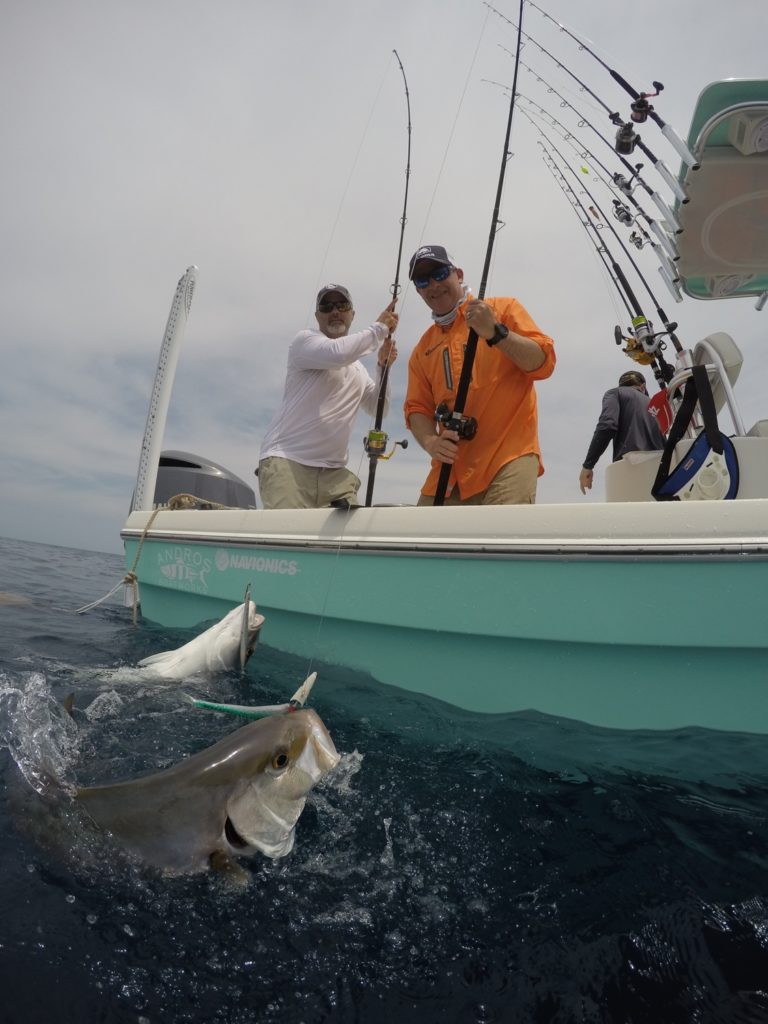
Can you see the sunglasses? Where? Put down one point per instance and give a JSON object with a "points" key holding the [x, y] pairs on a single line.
{"points": [[328, 307], [437, 275]]}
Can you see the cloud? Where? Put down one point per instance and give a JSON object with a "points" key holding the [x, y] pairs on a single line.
{"points": [[267, 145]]}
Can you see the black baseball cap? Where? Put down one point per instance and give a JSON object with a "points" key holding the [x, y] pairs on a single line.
{"points": [[434, 253]]}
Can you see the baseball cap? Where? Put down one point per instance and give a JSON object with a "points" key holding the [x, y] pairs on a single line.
{"points": [[328, 289], [632, 377], [434, 253]]}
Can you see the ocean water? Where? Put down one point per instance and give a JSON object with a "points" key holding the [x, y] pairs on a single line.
{"points": [[452, 868]]}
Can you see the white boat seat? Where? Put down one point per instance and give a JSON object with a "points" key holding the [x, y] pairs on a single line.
{"points": [[730, 356], [722, 355], [760, 429], [631, 478]]}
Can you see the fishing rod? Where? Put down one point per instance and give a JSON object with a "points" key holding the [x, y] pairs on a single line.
{"points": [[645, 337], [466, 426], [662, 371], [626, 137], [375, 443], [621, 212], [640, 107], [608, 179], [602, 249], [621, 182]]}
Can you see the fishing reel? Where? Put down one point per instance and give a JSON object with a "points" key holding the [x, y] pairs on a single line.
{"points": [[637, 240], [641, 108], [375, 444], [626, 138], [642, 343], [625, 184], [622, 213], [464, 426]]}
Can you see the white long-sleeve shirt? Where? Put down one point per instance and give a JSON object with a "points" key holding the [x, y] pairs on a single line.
{"points": [[325, 385]]}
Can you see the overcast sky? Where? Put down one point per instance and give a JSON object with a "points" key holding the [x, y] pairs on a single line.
{"points": [[266, 144]]}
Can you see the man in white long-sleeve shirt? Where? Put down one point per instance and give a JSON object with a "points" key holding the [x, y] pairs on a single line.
{"points": [[303, 458]]}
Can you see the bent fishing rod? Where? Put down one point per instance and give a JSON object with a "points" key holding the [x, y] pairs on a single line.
{"points": [[466, 426], [624, 184], [621, 212], [661, 369], [626, 137], [640, 107], [375, 443], [649, 340]]}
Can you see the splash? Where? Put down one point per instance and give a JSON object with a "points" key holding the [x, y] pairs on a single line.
{"points": [[36, 730]]}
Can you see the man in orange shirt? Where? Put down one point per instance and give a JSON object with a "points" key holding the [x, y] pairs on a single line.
{"points": [[501, 464]]}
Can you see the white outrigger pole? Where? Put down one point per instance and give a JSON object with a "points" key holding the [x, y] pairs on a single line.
{"points": [[149, 460]]}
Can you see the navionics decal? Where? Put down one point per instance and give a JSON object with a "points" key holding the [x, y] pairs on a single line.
{"points": [[255, 563]]}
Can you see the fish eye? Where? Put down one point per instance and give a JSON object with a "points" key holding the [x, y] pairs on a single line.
{"points": [[280, 760]]}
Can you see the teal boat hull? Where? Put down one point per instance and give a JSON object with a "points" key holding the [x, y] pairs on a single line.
{"points": [[661, 633]]}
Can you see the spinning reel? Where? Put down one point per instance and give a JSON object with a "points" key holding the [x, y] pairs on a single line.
{"points": [[375, 444], [642, 343]]}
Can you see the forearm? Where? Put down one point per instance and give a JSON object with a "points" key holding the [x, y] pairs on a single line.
{"points": [[598, 444], [318, 352], [422, 428], [523, 352]]}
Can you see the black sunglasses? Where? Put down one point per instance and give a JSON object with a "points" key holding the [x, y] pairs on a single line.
{"points": [[328, 307], [437, 275]]}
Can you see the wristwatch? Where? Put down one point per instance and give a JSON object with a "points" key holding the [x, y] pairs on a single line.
{"points": [[499, 334]]}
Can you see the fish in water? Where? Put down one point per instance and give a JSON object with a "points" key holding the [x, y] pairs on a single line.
{"points": [[219, 648], [244, 794], [14, 600]]}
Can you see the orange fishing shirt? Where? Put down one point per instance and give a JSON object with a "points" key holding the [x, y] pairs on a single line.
{"points": [[501, 397]]}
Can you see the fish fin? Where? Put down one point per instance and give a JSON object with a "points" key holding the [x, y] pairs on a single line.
{"points": [[152, 658], [69, 704], [234, 874], [299, 699]]}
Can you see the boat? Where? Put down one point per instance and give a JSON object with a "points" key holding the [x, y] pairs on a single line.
{"points": [[631, 613]]}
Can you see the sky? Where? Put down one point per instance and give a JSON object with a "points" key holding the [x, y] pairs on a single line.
{"points": [[266, 144]]}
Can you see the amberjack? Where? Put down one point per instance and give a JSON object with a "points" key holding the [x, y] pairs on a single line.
{"points": [[219, 648], [244, 794]]}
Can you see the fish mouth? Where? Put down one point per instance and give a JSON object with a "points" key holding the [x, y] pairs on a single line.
{"points": [[234, 838]]}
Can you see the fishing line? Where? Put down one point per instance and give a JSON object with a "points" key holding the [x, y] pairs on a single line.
{"points": [[623, 183], [644, 337], [352, 169], [642, 346], [605, 221], [602, 250], [665, 253], [455, 419], [626, 137], [641, 109], [395, 291], [579, 93], [453, 128], [376, 441]]}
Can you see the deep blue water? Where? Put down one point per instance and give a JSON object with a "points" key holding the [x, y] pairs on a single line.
{"points": [[454, 868]]}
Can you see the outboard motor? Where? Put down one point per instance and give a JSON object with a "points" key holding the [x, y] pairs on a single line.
{"points": [[184, 473]]}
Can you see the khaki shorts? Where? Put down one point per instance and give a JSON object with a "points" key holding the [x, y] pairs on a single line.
{"points": [[284, 483], [514, 484]]}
